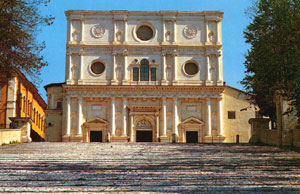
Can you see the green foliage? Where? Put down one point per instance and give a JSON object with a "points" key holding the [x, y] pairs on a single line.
{"points": [[20, 20], [273, 62]]}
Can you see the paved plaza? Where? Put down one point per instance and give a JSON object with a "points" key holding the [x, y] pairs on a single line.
{"points": [[147, 168]]}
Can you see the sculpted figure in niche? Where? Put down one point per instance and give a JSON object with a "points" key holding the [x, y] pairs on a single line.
{"points": [[211, 36], [213, 68], [118, 36], [74, 70]]}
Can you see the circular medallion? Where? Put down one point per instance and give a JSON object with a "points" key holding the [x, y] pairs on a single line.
{"points": [[98, 31], [190, 31]]}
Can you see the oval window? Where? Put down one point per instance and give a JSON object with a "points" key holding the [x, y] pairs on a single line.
{"points": [[144, 33], [97, 68], [191, 68]]}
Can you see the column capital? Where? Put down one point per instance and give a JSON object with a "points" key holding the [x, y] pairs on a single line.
{"points": [[125, 52]]}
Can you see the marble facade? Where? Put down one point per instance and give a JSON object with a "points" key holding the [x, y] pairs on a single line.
{"points": [[143, 76]]}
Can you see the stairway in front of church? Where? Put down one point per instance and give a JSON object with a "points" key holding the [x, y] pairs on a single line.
{"points": [[147, 168]]}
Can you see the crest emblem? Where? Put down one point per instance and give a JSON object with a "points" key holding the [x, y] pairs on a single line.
{"points": [[190, 31], [98, 31]]}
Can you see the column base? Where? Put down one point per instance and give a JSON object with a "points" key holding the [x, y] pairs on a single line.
{"points": [[80, 82], [174, 82], [220, 83], [213, 139], [125, 82], [123, 139], [66, 138], [164, 82], [165, 139], [208, 83]]}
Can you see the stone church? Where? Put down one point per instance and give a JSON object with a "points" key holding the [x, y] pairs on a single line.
{"points": [[145, 76]]}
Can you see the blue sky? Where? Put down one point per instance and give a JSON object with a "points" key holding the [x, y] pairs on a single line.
{"points": [[233, 25]]}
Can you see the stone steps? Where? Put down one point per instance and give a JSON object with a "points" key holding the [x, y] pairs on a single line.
{"points": [[147, 168]]}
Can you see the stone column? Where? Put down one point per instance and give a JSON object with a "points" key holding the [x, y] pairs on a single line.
{"points": [[113, 125], [163, 31], [79, 132], [82, 30], [220, 115], [206, 31], [208, 103], [220, 69], [68, 116], [70, 31], [80, 66], [114, 30], [208, 75], [164, 103], [163, 62], [157, 126], [175, 67], [124, 132], [175, 31], [125, 30], [114, 70], [69, 71], [131, 129], [217, 31], [125, 79], [175, 116]]}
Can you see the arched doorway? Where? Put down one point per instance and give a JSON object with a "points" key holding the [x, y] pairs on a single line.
{"points": [[144, 131]]}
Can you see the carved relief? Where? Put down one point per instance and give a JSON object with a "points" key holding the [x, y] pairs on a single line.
{"points": [[143, 124], [190, 31], [98, 31]]}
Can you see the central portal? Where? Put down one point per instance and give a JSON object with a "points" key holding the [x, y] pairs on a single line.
{"points": [[144, 131], [96, 136], [192, 137], [143, 136]]}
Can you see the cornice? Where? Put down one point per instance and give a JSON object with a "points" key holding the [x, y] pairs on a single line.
{"points": [[145, 13], [138, 46], [144, 88]]}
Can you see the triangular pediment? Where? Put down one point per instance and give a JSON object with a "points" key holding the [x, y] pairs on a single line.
{"points": [[192, 121], [96, 121]]}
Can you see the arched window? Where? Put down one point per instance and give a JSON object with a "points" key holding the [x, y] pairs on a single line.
{"points": [[144, 75]]}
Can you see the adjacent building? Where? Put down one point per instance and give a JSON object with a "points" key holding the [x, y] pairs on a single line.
{"points": [[20, 102], [134, 76]]}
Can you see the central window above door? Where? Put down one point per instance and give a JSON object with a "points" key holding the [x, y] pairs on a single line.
{"points": [[144, 72]]}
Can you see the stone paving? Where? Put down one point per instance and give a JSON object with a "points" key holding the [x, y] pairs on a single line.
{"points": [[147, 168]]}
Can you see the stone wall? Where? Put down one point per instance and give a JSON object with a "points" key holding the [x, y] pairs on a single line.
{"points": [[286, 133], [8, 136]]}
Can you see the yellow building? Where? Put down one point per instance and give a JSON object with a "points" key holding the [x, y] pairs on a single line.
{"points": [[19, 99]]}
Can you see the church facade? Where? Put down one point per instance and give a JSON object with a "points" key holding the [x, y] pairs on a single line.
{"points": [[135, 76]]}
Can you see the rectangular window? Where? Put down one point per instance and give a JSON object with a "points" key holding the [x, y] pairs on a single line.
{"points": [[153, 73], [144, 74], [231, 114], [58, 105], [135, 74]]}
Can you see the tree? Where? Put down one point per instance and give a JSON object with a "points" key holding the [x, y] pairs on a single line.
{"points": [[273, 62], [20, 21]]}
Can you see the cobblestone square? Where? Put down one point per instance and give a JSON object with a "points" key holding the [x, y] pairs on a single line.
{"points": [[147, 168]]}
